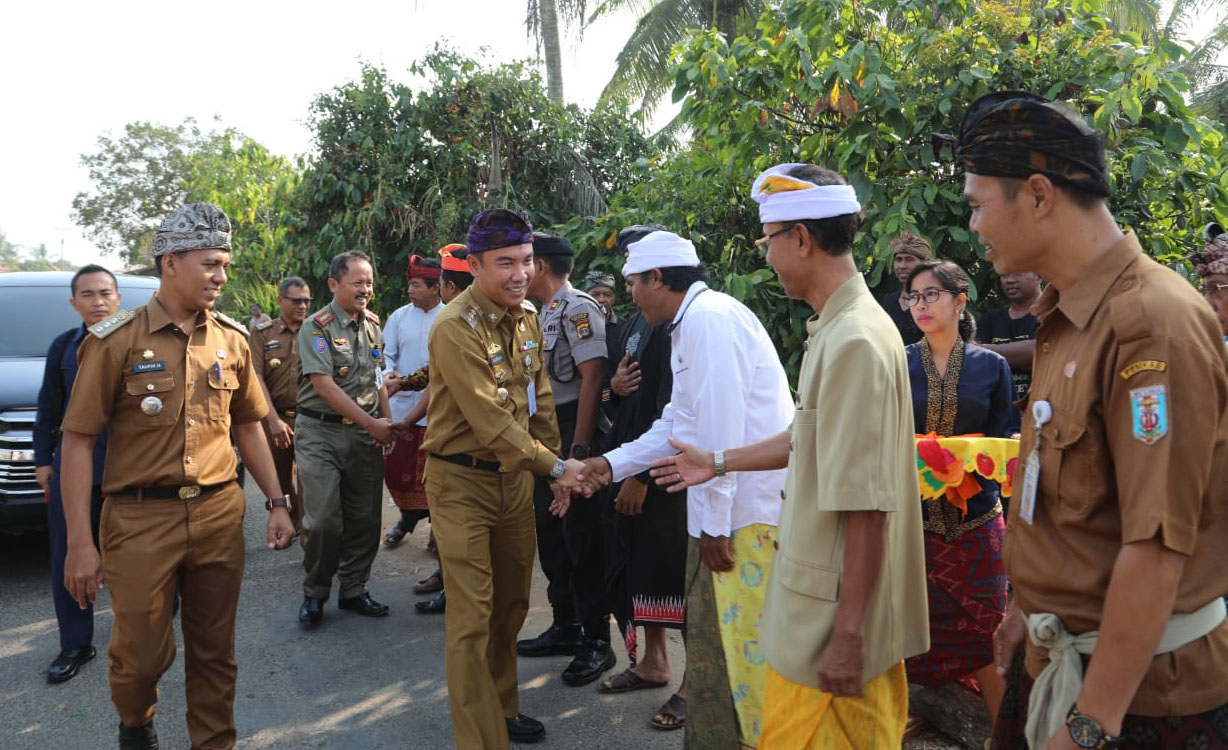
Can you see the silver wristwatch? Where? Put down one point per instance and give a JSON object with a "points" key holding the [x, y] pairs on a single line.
{"points": [[559, 469]]}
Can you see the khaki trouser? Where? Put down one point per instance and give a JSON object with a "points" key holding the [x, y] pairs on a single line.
{"points": [[483, 523], [342, 472], [287, 477], [149, 549]]}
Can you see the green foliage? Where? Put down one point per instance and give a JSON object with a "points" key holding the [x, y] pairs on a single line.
{"points": [[861, 88], [400, 172], [18, 258]]}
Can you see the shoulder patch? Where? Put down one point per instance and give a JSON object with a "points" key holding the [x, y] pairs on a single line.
{"points": [[263, 325], [324, 317], [1149, 407], [1142, 366], [584, 329], [226, 319], [104, 328], [471, 315], [371, 316]]}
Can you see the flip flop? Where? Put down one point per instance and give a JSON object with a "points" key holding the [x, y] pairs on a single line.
{"points": [[627, 681], [394, 536], [430, 584], [674, 708]]}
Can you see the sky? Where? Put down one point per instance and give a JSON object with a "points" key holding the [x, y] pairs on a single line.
{"points": [[72, 71]]}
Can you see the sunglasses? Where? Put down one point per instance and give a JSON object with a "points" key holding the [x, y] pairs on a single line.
{"points": [[304, 301]]}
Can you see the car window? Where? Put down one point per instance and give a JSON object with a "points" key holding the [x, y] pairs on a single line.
{"points": [[35, 315]]}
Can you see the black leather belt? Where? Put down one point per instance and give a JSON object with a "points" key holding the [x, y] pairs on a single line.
{"points": [[464, 459], [184, 492], [330, 418]]}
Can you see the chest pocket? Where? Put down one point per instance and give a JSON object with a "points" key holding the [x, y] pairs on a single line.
{"points": [[1069, 455], [223, 382], [158, 385]]}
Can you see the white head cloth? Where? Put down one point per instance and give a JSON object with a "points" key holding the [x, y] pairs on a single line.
{"points": [[659, 250], [784, 198]]}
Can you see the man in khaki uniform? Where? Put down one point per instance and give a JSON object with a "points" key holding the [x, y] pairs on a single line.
{"points": [[490, 422], [274, 346], [1115, 541], [342, 423], [169, 381]]}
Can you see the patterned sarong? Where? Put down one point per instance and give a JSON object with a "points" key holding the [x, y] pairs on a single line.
{"points": [[800, 717], [403, 468], [723, 654]]}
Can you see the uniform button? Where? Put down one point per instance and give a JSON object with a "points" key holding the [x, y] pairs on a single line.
{"points": [[187, 460], [191, 422], [806, 345], [782, 494], [1127, 284], [191, 383], [1045, 347], [149, 387]]}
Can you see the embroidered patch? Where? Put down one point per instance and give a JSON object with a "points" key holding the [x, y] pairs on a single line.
{"points": [[1149, 409], [471, 316], [583, 329], [340, 342], [148, 366], [1143, 366], [320, 344], [274, 344]]}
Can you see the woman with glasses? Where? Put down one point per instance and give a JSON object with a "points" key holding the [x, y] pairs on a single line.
{"points": [[958, 389]]}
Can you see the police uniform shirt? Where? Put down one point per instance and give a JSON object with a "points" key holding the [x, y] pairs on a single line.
{"points": [[274, 346], [1131, 363], [574, 329], [485, 361], [168, 398], [334, 343]]}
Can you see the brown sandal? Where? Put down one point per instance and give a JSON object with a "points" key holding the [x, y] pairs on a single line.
{"points": [[430, 584], [674, 708], [626, 681]]}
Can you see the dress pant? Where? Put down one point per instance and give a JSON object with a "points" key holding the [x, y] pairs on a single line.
{"points": [[552, 550], [483, 523], [76, 624], [287, 477], [150, 548], [342, 472]]}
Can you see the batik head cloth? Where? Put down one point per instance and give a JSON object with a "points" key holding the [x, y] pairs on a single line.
{"points": [[418, 270], [912, 244], [594, 279], [453, 258], [498, 228], [784, 198], [1213, 259], [1016, 134], [659, 250], [196, 226]]}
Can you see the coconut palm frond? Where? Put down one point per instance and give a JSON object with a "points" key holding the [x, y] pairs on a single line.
{"points": [[1138, 16], [643, 64]]}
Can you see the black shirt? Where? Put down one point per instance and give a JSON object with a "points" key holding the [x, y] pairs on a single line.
{"points": [[998, 327], [901, 317]]}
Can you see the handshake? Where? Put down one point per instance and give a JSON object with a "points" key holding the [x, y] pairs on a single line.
{"points": [[579, 478]]}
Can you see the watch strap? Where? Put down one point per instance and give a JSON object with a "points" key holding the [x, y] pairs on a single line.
{"points": [[277, 502]]}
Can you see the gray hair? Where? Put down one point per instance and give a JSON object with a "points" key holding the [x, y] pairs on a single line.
{"points": [[288, 282]]}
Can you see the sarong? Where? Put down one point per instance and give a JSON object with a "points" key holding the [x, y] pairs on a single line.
{"points": [[1203, 731], [966, 582], [800, 717], [726, 668], [403, 468]]}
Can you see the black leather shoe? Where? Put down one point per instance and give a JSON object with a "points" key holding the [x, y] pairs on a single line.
{"points": [[364, 605], [138, 738], [434, 606], [65, 666], [558, 640], [525, 729], [594, 658], [311, 612]]}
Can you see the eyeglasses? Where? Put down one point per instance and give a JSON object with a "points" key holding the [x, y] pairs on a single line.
{"points": [[763, 241], [1214, 288], [304, 301], [929, 295]]}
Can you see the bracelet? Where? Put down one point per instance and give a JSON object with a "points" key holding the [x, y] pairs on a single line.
{"points": [[718, 458]]}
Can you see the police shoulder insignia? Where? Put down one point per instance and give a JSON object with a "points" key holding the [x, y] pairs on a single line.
{"points": [[372, 317], [104, 328], [227, 320], [1142, 366], [471, 316], [263, 325], [1149, 413], [324, 317], [584, 329], [554, 305]]}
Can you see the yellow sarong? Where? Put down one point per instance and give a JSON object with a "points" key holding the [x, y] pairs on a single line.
{"points": [[739, 602], [800, 717]]}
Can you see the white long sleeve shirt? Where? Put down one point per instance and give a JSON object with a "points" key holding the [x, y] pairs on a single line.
{"points": [[405, 334], [729, 390]]}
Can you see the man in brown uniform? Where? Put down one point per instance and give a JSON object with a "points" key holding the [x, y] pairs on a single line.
{"points": [[1115, 537], [275, 360], [169, 381], [490, 422]]}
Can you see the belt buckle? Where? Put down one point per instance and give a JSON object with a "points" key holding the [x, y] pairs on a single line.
{"points": [[187, 493], [290, 413], [346, 420]]}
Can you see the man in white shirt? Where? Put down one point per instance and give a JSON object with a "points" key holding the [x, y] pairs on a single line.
{"points": [[728, 385], [405, 353]]}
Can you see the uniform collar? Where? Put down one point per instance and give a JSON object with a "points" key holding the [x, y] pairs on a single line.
{"points": [[160, 317], [692, 292], [491, 313], [282, 325], [1081, 301], [347, 320], [840, 300]]}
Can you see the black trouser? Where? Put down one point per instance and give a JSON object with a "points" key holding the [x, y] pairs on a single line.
{"points": [[570, 549]]}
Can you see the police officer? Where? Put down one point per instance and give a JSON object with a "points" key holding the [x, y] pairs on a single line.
{"points": [[571, 552], [274, 345], [342, 423], [169, 381], [490, 418]]}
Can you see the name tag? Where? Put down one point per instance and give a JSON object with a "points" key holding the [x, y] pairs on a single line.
{"points": [[1027, 494], [148, 366], [532, 398], [274, 344]]}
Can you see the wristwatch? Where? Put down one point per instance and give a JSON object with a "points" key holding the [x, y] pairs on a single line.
{"points": [[718, 458], [580, 451], [559, 469], [277, 502], [1087, 732]]}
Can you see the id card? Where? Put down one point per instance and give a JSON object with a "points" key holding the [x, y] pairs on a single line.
{"points": [[1027, 495], [533, 399]]}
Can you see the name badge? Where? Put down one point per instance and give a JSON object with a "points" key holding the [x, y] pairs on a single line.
{"points": [[157, 366], [532, 398], [274, 344], [1042, 412]]}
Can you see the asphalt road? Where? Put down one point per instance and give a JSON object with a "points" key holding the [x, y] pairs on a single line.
{"points": [[351, 683]]}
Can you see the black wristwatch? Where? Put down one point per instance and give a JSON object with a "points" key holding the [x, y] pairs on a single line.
{"points": [[580, 451], [277, 502], [1087, 732]]}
